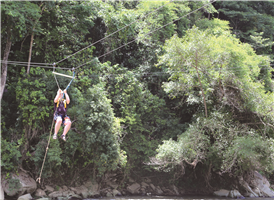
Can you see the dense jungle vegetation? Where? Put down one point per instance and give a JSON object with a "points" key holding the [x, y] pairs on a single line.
{"points": [[176, 86]]}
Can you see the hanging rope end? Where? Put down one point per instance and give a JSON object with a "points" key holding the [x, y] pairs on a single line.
{"points": [[38, 180]]}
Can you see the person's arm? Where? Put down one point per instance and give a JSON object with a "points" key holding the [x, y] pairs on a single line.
{"points": [[58, 96], [67, 97]]}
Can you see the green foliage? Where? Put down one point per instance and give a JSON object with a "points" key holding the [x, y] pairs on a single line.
{"points": [[99, 130], [249, 19], [14, 184], [10, 155], [19, 16], [228, 74], [229, 146], [31, 96]]}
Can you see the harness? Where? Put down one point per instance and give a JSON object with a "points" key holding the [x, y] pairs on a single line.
{"points": [[64, 102]]}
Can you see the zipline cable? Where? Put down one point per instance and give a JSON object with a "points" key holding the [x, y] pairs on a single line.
{"points": [[146, 34], [33, 65], [114, 32], [2, 61]]}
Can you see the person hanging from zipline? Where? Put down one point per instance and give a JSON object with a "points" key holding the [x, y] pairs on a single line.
{"points": [[60, 113]]}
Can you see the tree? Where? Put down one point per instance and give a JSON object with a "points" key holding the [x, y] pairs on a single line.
{"points": [[248, 19], [228, 72], [16, 17]]}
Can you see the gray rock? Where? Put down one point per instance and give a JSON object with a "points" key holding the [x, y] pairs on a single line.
{"points": [[152, 186], [82, 190], [68, 193], [159, 191], [147, 180], [40, 193], [44, 198], [25, 197], [49, 189], [143, 184], [56, 194], [221, 193], [247, 187], [131, 180], [116, 193], [134, 188], [235, 194], [262, 184], [65, 188], [93, 188], [26, 184], [175, 189], [112, 184]]}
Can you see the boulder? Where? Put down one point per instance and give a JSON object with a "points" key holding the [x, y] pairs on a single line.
{"points": [[68, 193], [25, 197], [56, 194], [250, 193], [235, 194], [159, 191], [43, 198], [65, 188], [2, 196], [152, 186], [109, 194], [134, 188], [82, 190], [221, 193], [40, 193], [116, 193], [143, 184], [262, 184], [175, 189], [147, 180], [112, 184], [93, 188], [49, 189], [18, 184]]}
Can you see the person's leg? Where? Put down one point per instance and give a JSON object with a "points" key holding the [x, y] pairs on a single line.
{"points": [[57, 126], [67, 124]]}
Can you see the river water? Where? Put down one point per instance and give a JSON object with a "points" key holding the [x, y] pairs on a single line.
{"points": [[174, 198]]}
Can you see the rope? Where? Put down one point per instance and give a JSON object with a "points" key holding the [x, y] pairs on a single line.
{"points": [[39, 178], [55, 76], [147, 34], [114, 32]]}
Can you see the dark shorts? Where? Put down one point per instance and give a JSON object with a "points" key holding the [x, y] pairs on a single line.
{"points": [[64, 118]]}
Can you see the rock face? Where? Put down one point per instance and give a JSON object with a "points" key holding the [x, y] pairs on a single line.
{"points": [[258, 187], [134, 188], [19, 184], [262, 184]]}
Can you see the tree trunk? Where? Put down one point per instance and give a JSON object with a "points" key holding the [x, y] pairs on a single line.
{"points": [[5, 64], [30, 51]]}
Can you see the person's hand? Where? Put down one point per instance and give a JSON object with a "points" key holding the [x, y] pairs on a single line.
{"points": [[65, 91], [59, 91]]}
